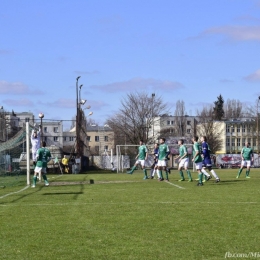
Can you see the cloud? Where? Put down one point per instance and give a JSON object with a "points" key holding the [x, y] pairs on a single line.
{"points": [[16, 88], [78, 72], [237, 33], [23, 102], [140, 84], [60, 103], [254, 76], [226, 81], [5, 52]]}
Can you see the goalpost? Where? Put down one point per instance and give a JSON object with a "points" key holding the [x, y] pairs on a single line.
{"points": [[125, 156]]}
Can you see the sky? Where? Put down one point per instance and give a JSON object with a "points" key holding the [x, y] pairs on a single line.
{"points": [[180, 50]]}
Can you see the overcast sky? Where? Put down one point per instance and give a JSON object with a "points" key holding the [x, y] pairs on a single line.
{"points": [[180, 50]]}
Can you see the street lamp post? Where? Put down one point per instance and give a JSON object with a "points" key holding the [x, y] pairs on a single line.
{"points": [[257, 127], [153, 95], [77, 115], [41, 116]]}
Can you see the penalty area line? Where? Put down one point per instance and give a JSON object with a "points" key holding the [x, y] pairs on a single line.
{"points": [[175, 185], [15, 192]]}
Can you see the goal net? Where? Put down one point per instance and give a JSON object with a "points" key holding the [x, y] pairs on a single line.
{"points": [[125, 156], [12, 152]]}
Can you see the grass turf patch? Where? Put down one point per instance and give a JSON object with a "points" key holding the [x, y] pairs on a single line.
{"points": [[122, 216]]}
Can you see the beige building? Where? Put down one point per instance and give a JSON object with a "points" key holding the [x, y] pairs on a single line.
{"points": [[100, 139], [234, 134]]}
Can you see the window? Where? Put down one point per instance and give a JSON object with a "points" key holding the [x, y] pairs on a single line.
{"points": [[171, 131], [55, 138], [233, 141], [55, 129], [188, 122], [232, 129], [243, 141], [238, 128], [254, 142], [168, 122], [238, 141], [106, 147], [96, 138], [64, 138], [228, 142], [243, 128], [97, 149], [71, 138], [172, 122], [45, 138], [45, 129], [88, 138], [188, 131], [228, 129], [106, 138]]}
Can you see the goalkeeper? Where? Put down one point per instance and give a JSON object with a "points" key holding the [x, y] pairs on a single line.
{"points": [[43, 156], [35, 140]]}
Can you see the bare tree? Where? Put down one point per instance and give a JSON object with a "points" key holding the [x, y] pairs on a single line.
{"points": [[210, 128], [180, 117], [233, 108], [135, 117]]}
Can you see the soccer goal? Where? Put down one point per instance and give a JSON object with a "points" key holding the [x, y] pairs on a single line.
{"points": [[12, 152], [125, 156]]}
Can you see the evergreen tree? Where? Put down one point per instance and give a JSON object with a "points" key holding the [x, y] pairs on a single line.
{"points": [[218, 109]]}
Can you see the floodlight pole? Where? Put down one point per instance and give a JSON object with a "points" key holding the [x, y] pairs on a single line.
{"points": [[77, 115], [257, 127], [41, 116], [153, 95]]}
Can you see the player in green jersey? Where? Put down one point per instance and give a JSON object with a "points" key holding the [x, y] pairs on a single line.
{"points": [[183, 160], [43, 156], [197, 159], [247, 157], [141, 158], [162, 159]]}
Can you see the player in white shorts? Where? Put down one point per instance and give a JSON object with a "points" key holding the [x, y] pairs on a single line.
{"points": [[183, 160]]}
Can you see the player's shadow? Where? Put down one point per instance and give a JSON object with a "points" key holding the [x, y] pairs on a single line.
{"points": [[228, 182], [63, 193]]}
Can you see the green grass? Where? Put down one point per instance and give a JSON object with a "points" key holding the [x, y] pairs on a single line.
{"points": [[122, 216]]}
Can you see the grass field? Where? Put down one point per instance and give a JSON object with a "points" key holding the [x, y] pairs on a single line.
{"points": [[122, 216]]}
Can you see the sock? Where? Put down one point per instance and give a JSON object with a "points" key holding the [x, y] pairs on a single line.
{"points": [[158, 173], [34, 179], [166, 173], [200, 177], [247, 172], [145, 172], [151, 172], [189, 175], [214, 174], [45, 177], [239, 172], [181, 174], [133, 168], [161, 175], [204, 172]]}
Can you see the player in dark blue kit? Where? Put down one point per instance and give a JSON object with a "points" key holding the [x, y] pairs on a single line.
{"points": [[206, 163]]}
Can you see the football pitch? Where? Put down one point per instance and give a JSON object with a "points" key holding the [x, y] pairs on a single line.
{"points": [[122, 216]]}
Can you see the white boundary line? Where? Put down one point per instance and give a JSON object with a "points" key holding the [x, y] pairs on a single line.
{"points": [[175, 185], [15, 192], [26, 187], [128, 203]]}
